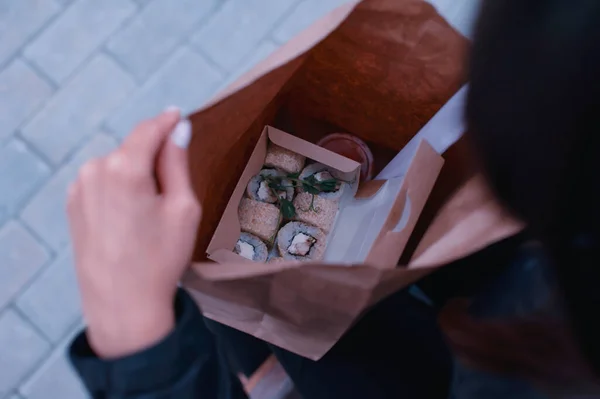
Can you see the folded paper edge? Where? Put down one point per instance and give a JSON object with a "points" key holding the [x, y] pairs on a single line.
{"points": [[312, 151], [300, 44]]}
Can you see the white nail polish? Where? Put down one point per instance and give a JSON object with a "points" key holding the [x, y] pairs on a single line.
{"points": [[182, 134], [173, 108]]}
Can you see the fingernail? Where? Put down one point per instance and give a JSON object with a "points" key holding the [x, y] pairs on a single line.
{"points": [[182, 134], [173, 108]]}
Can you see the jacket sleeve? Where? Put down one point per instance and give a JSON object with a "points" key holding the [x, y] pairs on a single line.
{"points": [[184, 365]]}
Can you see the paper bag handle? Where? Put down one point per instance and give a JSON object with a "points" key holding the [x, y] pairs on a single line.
{"points": [[392, 239], [405, 217], [410, 201]]}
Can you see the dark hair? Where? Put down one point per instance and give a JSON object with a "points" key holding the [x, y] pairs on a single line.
{"points": [[533, 115]]}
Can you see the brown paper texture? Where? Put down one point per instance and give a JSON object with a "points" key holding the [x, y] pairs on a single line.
{"points": [[468, 222], [378, 69]]}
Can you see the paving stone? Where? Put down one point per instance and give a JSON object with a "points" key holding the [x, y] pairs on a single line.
{"points": [[77, 110], [443, 6], [52, 301], [186, 81], [142, 3], [20, 20], [45, 213], [22, 92], [303, 15], [56, 378], [240, 25], [463, 16], [152, 36], [261, 52], [22, 348], [74, 36], [21, 256], [21, 172]]}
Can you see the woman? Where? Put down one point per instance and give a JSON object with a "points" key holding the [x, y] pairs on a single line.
{"points": [[532, 117]]}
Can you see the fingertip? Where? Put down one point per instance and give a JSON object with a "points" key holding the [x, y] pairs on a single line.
{"points": [[182, 134]]}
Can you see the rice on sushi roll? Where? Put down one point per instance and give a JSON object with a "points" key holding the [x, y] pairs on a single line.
{"points": [[301, 241], [251, 247], [258, 188], [284, 159], [278, 259], [259, 218], [322, 173], [322, 214]]}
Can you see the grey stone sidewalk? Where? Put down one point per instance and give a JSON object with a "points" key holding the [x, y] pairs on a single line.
{"points": [[75, 76]]}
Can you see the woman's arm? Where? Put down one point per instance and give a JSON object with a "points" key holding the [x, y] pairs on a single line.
{"points": [[133, 217]]}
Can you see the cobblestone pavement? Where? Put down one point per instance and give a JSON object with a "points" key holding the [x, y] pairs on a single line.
{"points": [[75, 76]]}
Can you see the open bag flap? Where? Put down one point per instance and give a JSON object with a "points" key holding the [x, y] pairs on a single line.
{"points": [[468, 222], [306, 318], [303, 308]]}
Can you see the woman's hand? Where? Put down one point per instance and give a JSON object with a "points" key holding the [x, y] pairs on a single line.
{"points": [[133, 218]]}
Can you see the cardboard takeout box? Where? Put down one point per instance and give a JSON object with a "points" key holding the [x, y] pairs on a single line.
{"points": [[373, 223], [378, 69]]}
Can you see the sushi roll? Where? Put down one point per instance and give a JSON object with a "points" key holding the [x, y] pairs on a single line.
{"points": [[284, 159], [321, 173], [251, 247], [300, 241], [321, 214], [258, 188], [259, 218]]}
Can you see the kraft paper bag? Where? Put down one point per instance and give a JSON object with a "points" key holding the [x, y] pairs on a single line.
{"points": [[378, 69]]}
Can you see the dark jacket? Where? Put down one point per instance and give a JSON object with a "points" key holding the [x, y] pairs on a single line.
{"points": [[396, 350], [184, 365]]}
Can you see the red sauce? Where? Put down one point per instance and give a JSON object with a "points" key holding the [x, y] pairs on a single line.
{"points": [[351, 147]]}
